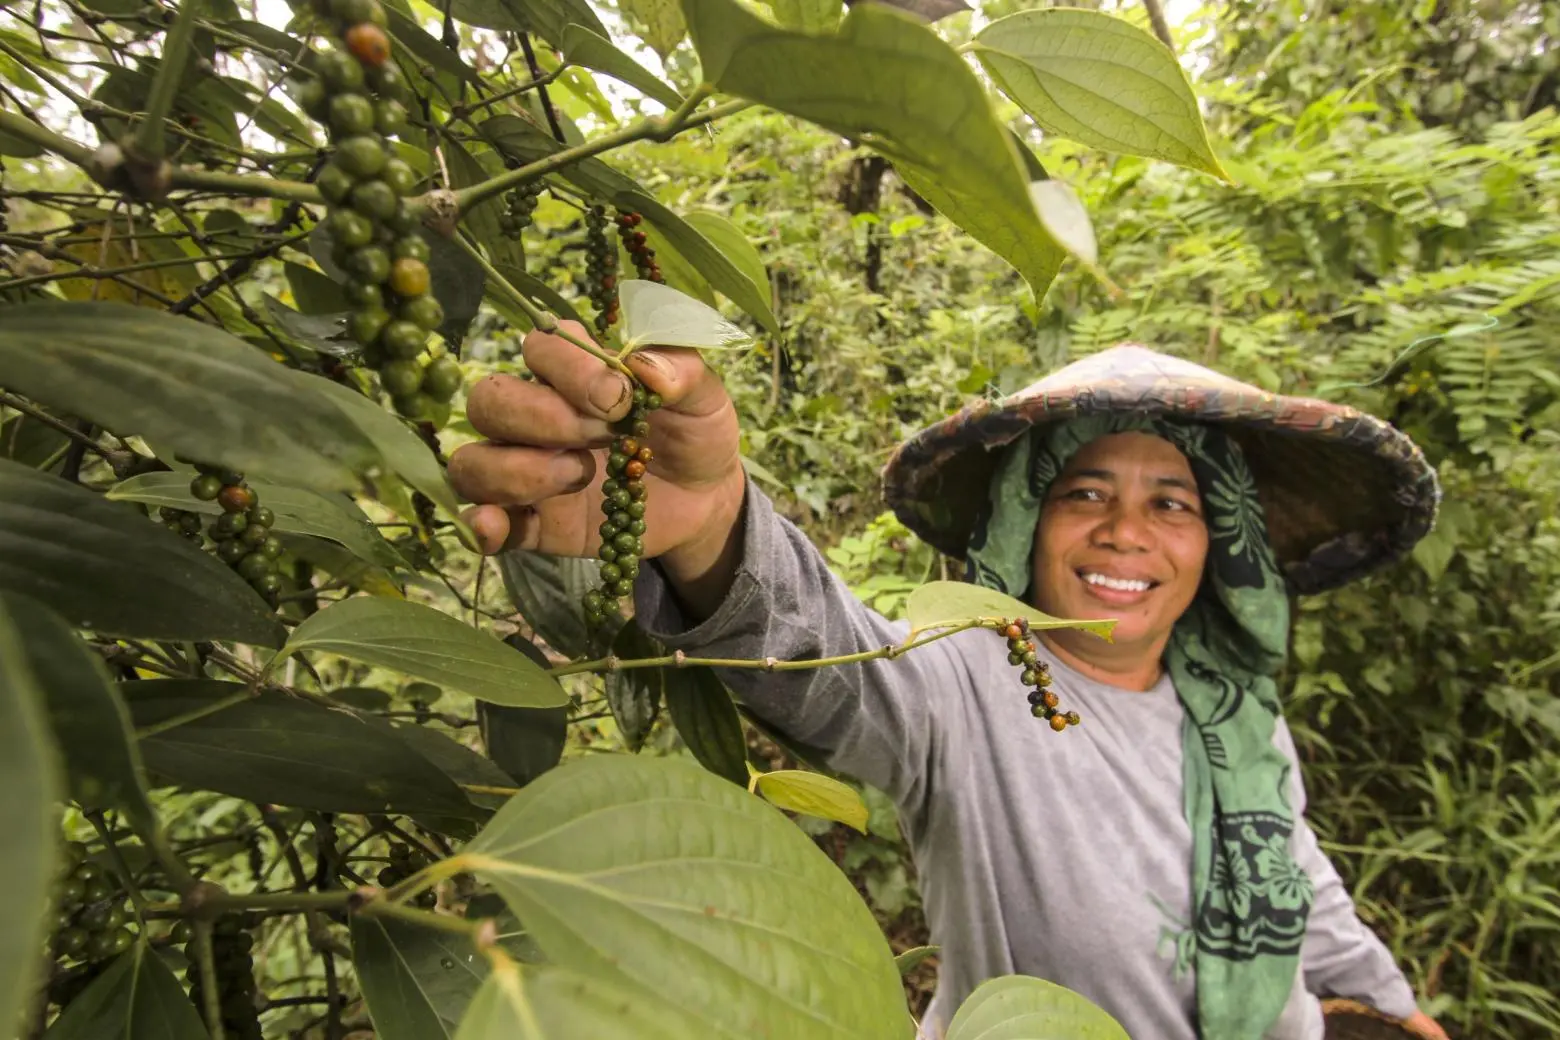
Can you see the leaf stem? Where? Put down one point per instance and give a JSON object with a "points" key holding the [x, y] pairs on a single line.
{"points": [[211, 998], [768, 664], [149, 141], [95, 817]]}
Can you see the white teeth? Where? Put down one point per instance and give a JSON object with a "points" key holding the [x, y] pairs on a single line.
{"points": [[1119, 584]]}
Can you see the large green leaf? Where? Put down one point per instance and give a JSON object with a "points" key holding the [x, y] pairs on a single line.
{"points": [[281, 749], [594, 51], [427, 644], [417, 981], [29, 776], [105, 567], [724, 275], [313, 292], [1099, 80], [808, 16], [943, 604], [404, 453], [90, 723], [525, 742], [1017, 1007], [552, 1003], [729, 239], [25, 440], [136, 998], [896, 85], [184, 384], [547, 591], [298, 511], [458, 762], [657, 872], [706, 718], [546, 18], [634, 694], [662, 20]]}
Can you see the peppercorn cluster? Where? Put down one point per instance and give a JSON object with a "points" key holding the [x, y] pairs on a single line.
{"points": [[373, 231], [601, 268], [242, 532], [639, 250], [231, 944], [90, 920], [1042, 699], [519, 206], [623, 505], [404, 862]]}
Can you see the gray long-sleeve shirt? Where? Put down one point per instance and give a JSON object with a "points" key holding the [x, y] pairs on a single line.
{"points": [[1060, 855]]}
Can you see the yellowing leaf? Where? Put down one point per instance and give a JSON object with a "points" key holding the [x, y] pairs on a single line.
{"points": [[942, 604], [813, 794]]}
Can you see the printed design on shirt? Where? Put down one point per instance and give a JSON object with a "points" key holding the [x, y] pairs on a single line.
{"points": [[1258, 898]]}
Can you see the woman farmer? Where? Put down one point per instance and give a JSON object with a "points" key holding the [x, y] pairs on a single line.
{"points": [[1156, 858]]}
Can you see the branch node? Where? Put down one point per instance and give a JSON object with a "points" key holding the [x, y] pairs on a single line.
{"points": [[441, 211], [770, 663], [679, 659]]}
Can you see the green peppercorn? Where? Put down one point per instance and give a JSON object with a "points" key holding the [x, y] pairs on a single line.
{"points": [[371, 263], [350, 114], [206, 487], [365, 324], [610, 573], [362, 156], [374, 199], [425, 312], [399, 175], [402, 339], [340, 72], [401, 377]]}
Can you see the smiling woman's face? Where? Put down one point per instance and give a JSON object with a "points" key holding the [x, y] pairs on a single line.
{"points": [[1121, 535]]}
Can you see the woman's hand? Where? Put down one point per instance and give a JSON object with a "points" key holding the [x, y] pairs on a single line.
{"points": [[537, 478]]}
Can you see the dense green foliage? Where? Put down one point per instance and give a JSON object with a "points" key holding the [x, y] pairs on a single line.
{"points": [[1387, 236]]}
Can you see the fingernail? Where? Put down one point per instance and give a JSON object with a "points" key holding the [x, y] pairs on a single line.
{"points": [[568, 469], [608, 391], [650, 359]]}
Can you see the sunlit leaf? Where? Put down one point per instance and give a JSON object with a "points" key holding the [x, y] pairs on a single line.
{"points": [[656, 872], [813, 794], [208, 735], [136, 998], [552, 1003], [297, 511], [90, 724], [808, 16], [1099, 80], [656, 315], [1062, 213], [104, 567], [427, 644], [915, 101], [594, 51], [941, 604], [1017, 1007], [729, 239], [707, 720], [663, 23], [29, 775]]}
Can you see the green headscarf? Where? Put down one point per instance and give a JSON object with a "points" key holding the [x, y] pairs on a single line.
{"points": [[1250, 897]]}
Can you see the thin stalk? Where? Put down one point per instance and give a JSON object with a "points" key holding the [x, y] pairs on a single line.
{"points": [[211, 998], [149, 140], [95, 817], [653, 128], [768, 664], [53, 423], [463, 111], [42, 136]]}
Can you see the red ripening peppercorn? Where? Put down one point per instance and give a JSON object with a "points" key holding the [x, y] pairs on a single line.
{"points": [[236, 499], [634, 470], [636, 239], [1013, 632], [368, 44], [1050, 699], [1058, 722], [644, 455], [628, 446]]}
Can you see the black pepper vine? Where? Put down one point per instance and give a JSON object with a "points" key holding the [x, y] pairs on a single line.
{"points": [[231, 944], [623, 506]]}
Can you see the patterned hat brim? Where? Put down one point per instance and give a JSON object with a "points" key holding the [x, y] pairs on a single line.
{"points": [[1344, 492]]}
